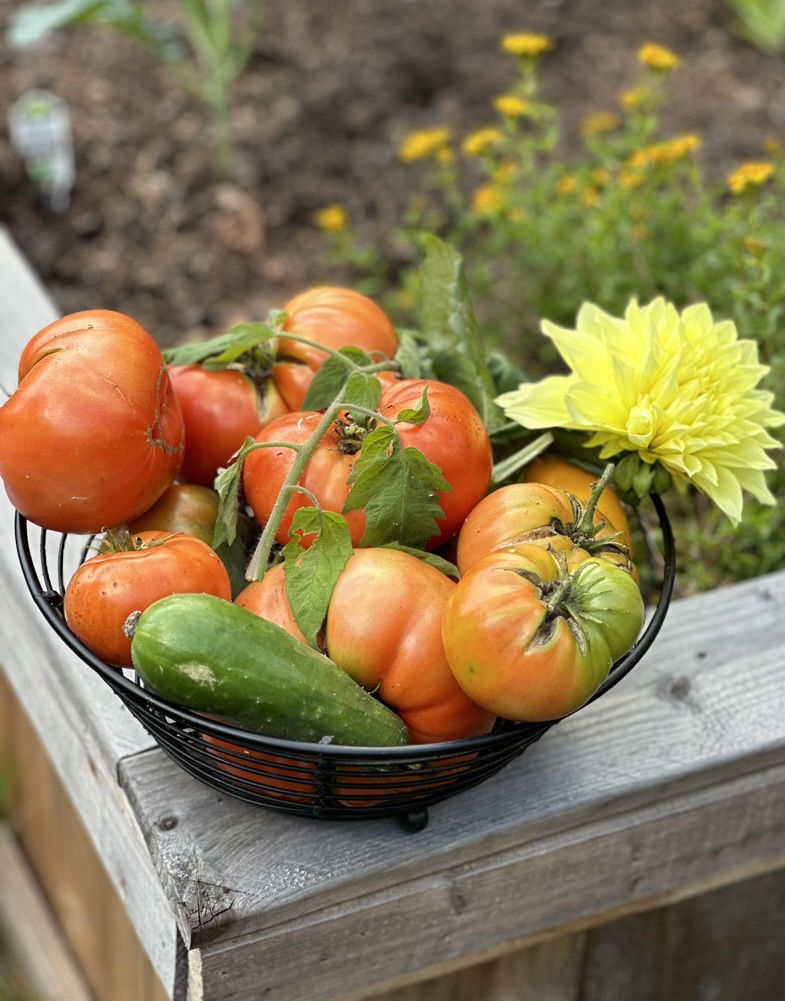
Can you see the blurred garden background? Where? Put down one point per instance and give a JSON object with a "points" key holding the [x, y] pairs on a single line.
{"points": [[624, 150]]}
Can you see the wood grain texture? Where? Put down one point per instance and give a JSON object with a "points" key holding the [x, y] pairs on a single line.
{"points": [[669, 786], [31, 932], [91, 915], [81, 724], [719, 946]]}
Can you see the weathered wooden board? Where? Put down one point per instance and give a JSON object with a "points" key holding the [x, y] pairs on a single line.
{"points": [[670, 785], [83, 726], [724, 946], [30, 932]]}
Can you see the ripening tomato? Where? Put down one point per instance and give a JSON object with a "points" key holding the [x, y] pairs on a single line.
{"points": [[554, 471], [531, 634], [453, 437], [182, 507], [337, 318], [107, 588], [383, 627], [193, 509], [94, 433], [220, 409], [534, 512]]}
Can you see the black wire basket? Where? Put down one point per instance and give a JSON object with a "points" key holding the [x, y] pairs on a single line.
{"points": [[315, 780]]}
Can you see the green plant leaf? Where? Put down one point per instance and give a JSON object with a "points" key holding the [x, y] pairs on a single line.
{"points": [[331, 377], [408, 355], [219, 352], [227, 485], [311, 574], [398, 489], [512, 464], [363, 389], [32, 24], [451, 332], [418, 414]]}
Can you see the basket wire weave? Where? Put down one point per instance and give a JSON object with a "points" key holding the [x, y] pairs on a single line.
{"points": [[316, 780]]}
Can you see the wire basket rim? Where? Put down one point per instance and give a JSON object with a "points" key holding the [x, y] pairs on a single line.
{"points": [[49, 600]]}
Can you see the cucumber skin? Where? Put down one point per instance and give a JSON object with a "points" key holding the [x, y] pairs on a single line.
{"points": [[207, 654]]}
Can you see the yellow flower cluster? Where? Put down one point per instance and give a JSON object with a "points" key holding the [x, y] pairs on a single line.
{"points": [[749, 175], [480, 142], [511, 106], [487, 200], [332, 218], [657, 57], [678, 389], [526, 45], [632, 99], [665, 154], [600, 123], [424, 144]]}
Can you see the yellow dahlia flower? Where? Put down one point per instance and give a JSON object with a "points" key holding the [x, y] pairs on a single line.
{"points": [[678, 389]]}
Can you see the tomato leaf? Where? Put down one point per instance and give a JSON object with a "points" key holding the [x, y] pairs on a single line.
{"points": [[331, 377], [363, 389], [418, 414], [311, 573], [219, 352], [398, 488], [437, 562], [227, 485], [408, 355], [451, 331]]}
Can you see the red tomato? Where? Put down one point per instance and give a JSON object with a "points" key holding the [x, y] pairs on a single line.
{"points": [[453, 437], [94, 433], [532, 638], [337, 318], [220, 409], [272, 775], [531, 512], [107, 588], [383, 628]]}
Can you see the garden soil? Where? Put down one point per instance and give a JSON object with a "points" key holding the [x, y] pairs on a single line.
{"points": [[332, 87]]}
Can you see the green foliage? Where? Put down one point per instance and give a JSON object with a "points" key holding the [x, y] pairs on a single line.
{"points": [[760, 22], [206, 56], [631, 214]]}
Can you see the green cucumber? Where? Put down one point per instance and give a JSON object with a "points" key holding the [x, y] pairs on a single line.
{"points": [[214, 657]]}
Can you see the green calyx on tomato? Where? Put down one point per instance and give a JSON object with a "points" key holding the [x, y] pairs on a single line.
{"points": [[585, 531], [547, 515], [531, 634]]}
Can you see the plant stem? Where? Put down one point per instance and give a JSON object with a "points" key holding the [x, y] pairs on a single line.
{"points": [[586, 526], [264, 547]]}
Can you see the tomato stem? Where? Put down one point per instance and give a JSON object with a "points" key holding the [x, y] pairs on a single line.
{"points": [[264, 547], [586, 524]]}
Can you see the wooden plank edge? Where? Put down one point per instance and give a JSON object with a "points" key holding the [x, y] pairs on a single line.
{"points": [[31, 931], [660, 854], [580, 925]]}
